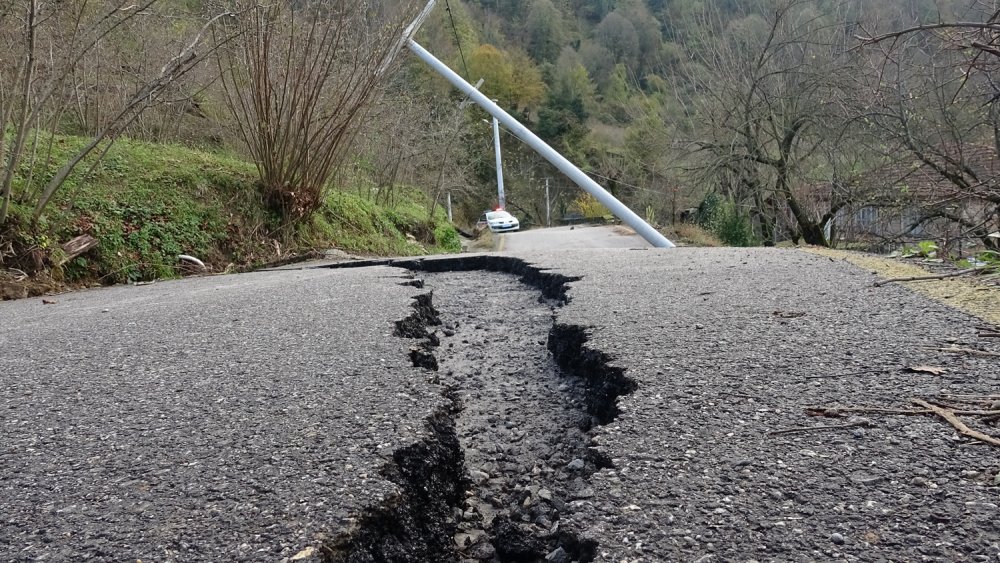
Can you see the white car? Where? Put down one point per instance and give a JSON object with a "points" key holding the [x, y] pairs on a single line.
{"points": [[500, 221]]}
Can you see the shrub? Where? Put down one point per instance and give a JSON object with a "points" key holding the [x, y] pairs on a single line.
{"points": [[726, 221], [447, 239]]}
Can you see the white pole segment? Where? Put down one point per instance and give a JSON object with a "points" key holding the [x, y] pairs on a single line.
{"points": [[408, 33], [548, 207], [496, 145], [644, 229]]}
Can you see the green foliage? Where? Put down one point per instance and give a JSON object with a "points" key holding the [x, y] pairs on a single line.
{"points": [[145, 204], [726, 221], [447, 238], [984, 259], [510, 77], [357, 224], [545, 31], [924, 249], [590, 207]]}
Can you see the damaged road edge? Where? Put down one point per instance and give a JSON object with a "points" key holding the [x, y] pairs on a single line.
{"points": [[413, 525]]}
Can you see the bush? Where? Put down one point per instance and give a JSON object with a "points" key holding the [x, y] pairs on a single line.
{"points": [[447, 239], [726, 221]]}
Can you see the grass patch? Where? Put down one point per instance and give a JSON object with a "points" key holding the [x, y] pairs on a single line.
{"points": [[147, 203], [690, 234], [355, 223]]}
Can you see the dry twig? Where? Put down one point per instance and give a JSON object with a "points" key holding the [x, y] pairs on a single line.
{"points": [[812, 428], [960, 426], [967, 271], [969, 351], [834, 412]]}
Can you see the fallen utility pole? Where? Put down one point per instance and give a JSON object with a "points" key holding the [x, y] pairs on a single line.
{"points": [[620, 210]]}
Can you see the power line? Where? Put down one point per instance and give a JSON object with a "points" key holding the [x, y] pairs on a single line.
{"points": [[458, 40], [626, 184]]}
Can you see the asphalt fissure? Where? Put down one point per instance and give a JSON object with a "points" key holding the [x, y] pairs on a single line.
{"points": [[526, 393], [552, 285], [416, 326], [417, 524], [523, 426]]}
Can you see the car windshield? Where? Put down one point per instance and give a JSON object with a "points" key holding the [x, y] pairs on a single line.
{"points": [[497, 215]]}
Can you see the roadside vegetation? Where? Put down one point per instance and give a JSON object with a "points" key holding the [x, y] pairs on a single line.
{"points": [[144, 204], [862, 124], [137, 133]]}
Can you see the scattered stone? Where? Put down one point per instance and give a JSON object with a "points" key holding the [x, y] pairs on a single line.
{"points": [[479, 477], [837, 539], [575, 465], [483, 551], [304, 554]]}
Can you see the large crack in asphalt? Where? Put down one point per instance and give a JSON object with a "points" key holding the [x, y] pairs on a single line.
{"points": [[504, 468]]}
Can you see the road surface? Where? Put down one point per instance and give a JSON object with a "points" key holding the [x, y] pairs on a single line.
{"points": [[609, 405], [569, 238]]}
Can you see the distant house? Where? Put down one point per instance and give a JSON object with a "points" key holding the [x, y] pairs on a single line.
{"points": [[908, 200]]}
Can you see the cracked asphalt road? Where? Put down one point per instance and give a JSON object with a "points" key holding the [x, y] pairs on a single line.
{"points": [[728, 346], [216, 419], [247, 417]]}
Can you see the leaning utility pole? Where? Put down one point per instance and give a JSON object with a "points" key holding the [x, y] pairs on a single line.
{"points": [[548, 207], [496, 149], [620, 210]]}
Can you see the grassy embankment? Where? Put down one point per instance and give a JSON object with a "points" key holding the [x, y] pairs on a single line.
{"points": [[146, 203]]}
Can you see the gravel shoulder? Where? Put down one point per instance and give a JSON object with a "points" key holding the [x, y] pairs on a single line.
{"points": [[968, 294]]}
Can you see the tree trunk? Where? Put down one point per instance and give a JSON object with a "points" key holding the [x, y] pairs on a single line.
{"points": [[812, 233]]}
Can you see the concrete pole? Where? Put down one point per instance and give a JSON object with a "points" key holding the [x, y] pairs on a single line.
{"points": [[449, 208], [496, 149], [548, 209], [644, 229]]}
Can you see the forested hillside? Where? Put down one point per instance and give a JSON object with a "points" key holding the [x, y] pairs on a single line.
{"points": [[781, 119], [764, 121]]}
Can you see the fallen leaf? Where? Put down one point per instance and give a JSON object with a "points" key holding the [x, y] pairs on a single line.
{"points": [[933, 370]]}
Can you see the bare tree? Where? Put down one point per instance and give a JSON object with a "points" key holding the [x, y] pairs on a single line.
{"points": [[50, 42], [298, 80], [935, 100], [773, 101]]}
